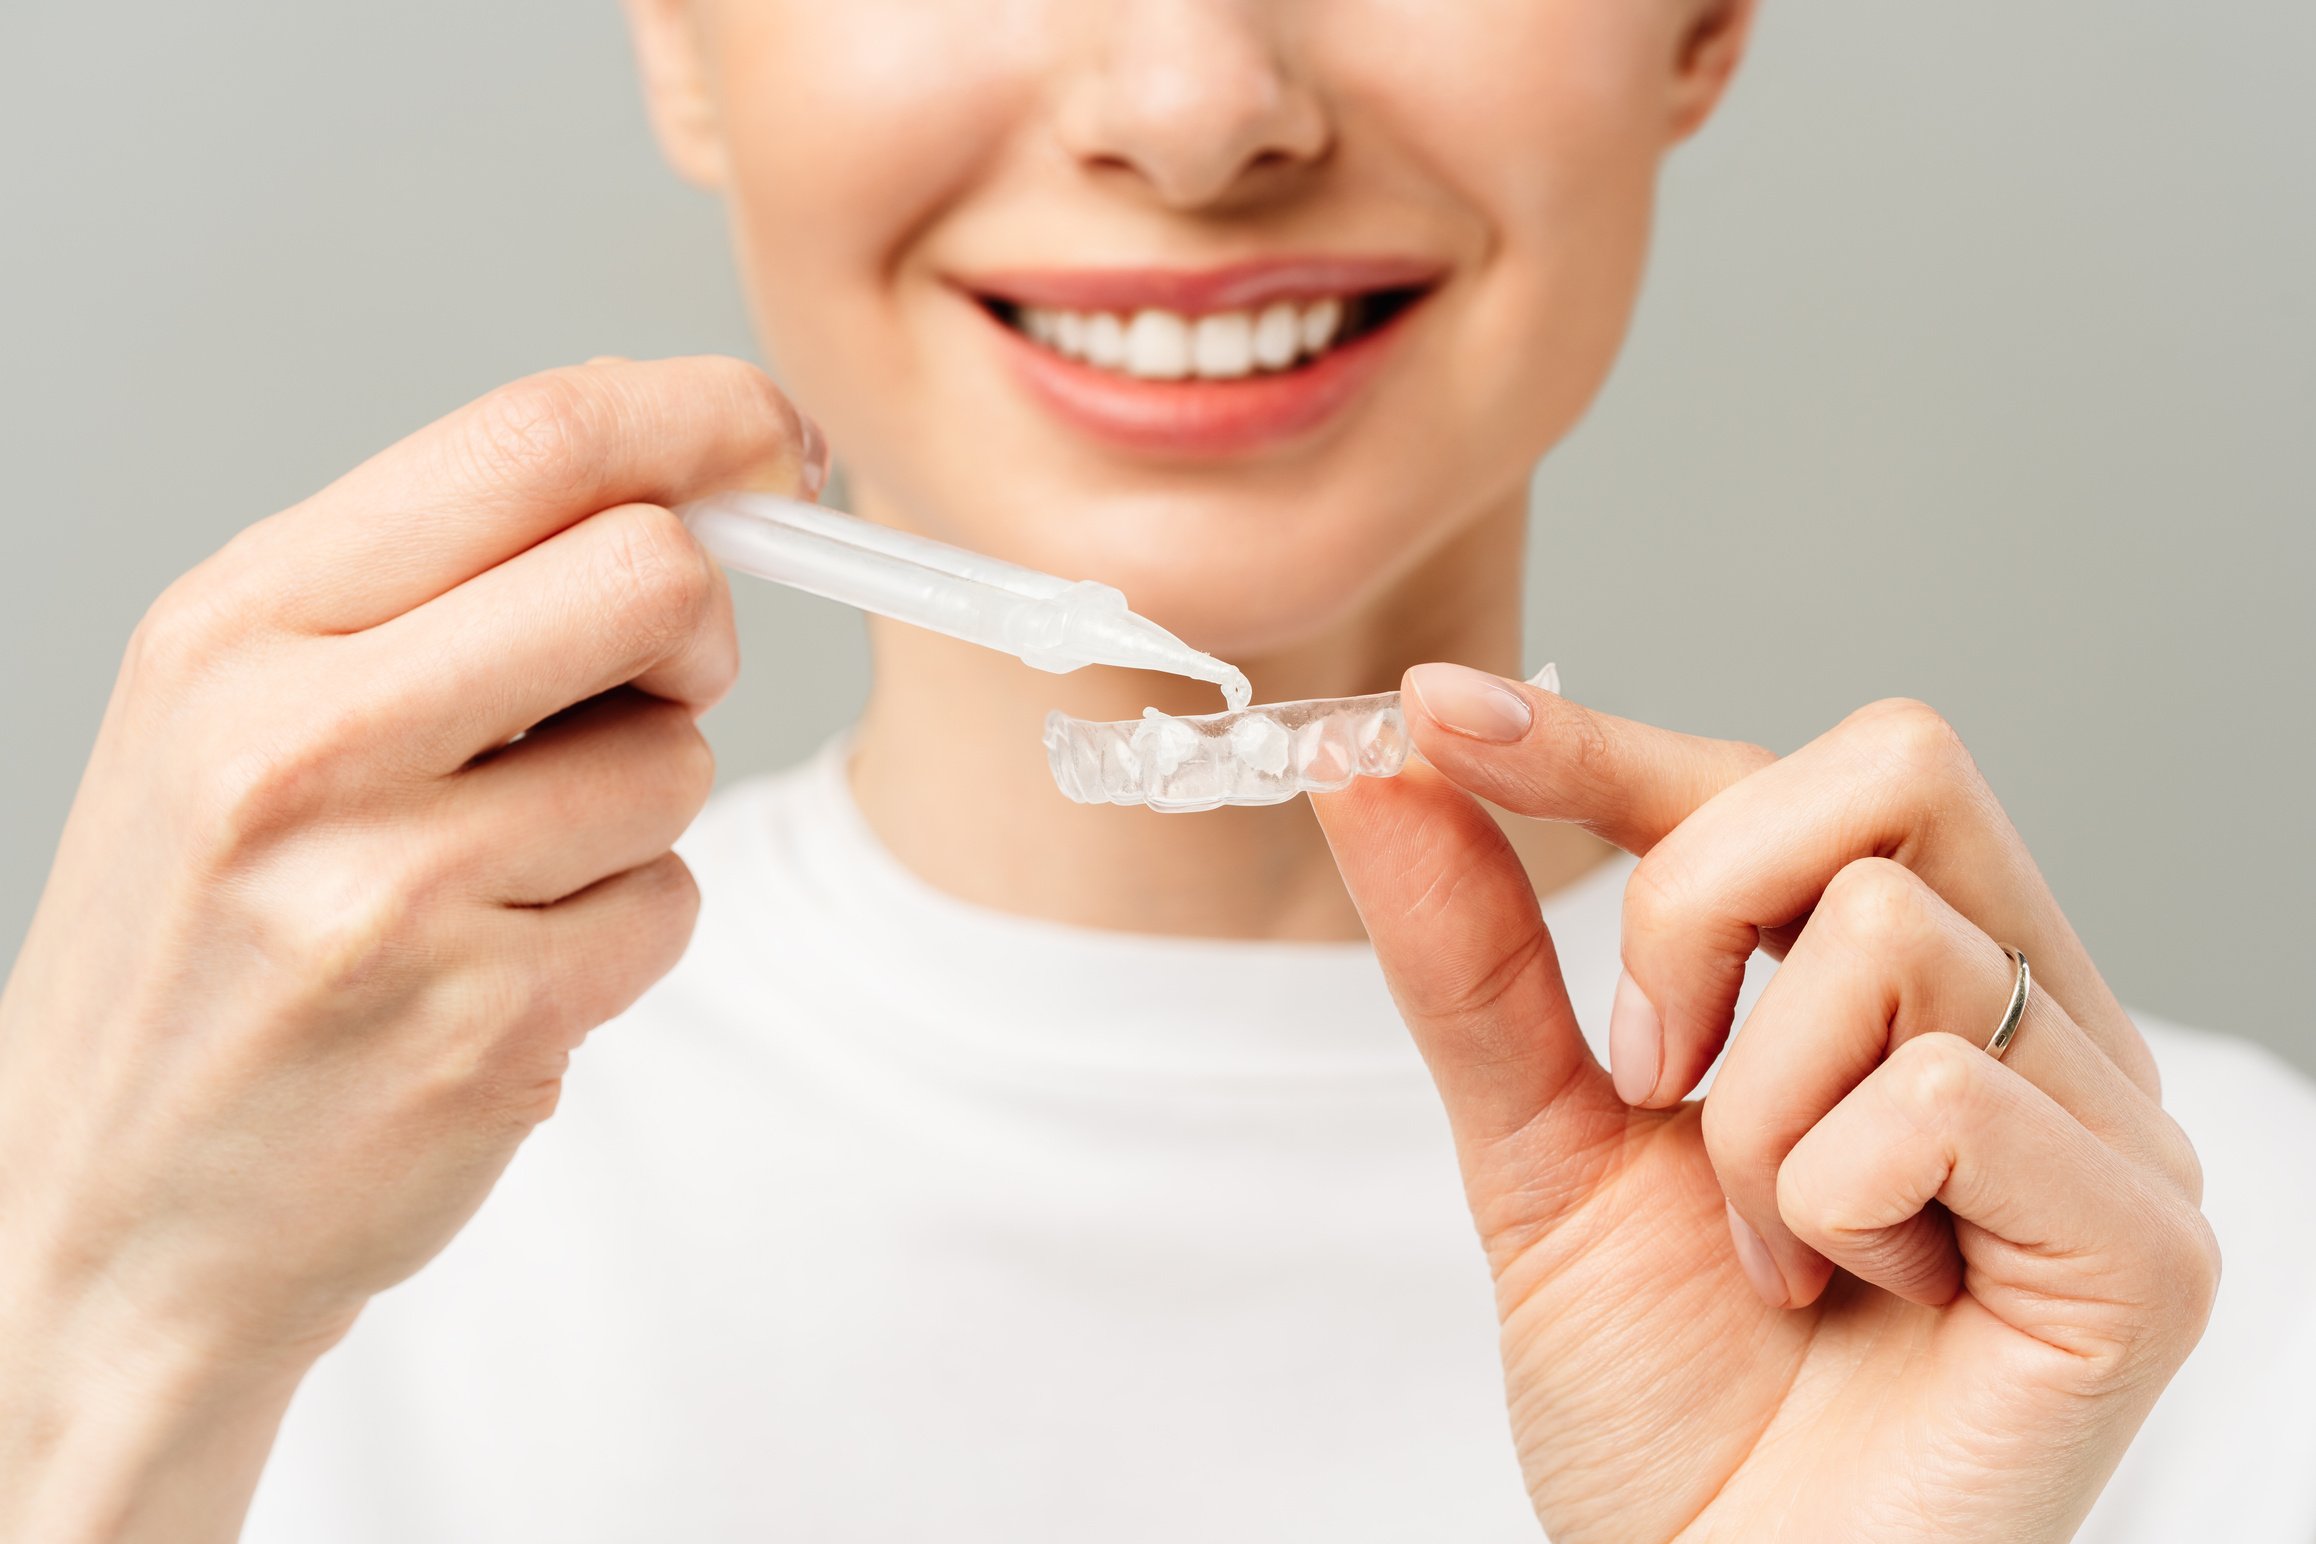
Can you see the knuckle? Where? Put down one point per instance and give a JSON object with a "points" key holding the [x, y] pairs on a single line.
{"points": [[215, 611], [755, 434], [719, 682], [1735, 1139], [694, 764], [349, 931], [679, 894], [532, 1102], [717, 655], [1684, 914], [760, 404], [180, 633], [749, 385], [258, 794], [1489, 1013], [577, 980], [538, 998], [1658, 895], [343, 945], [1937, 1077], [1465, 975], [1802, 1201], [1876, 903], [1590, 756], [1475, 996], [2179, 1275], [679, 765], [664, 584], [1911, 739], [457, 1060], [672, 910], [2201, 1266], [2177, 1158], [497, 1055], [542, 428]]}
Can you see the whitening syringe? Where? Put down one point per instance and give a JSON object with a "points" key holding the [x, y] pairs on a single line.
{"points": [[1054, 624]]}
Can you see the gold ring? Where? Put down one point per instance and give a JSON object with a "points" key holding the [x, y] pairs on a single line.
{"points": [[2020, 988]]}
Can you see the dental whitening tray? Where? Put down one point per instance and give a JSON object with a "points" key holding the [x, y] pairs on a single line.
{"points": [[1261, 755], [1244, 755]]}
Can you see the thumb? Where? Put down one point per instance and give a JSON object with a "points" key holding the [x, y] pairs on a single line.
{"points": [[1534, 752], [1462, 942]]}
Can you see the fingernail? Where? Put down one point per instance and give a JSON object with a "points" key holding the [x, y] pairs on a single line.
{"points": [[1470, 702], [814, 473], [1636, 1042], [1753, 1259]]}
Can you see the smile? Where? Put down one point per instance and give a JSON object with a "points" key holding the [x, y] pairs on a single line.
{"points": [[1161, 345], [1205, 363]]}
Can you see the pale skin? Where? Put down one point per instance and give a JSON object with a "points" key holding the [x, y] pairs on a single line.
{"points": [[322, 932]]}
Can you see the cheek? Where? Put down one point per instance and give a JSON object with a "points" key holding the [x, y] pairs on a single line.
{"points": [[1551, 134], [851, 127]]}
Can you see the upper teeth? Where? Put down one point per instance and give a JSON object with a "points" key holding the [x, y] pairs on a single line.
{"points": [[1167, 346]]}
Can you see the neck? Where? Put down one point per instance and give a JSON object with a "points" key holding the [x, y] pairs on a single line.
{"points": [[949, 770]]}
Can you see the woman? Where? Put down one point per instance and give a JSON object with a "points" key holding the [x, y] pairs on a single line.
{"points": [[993, 1167]]}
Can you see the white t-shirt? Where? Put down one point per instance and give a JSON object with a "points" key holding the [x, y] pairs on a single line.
{"points": [[886, 1217]]}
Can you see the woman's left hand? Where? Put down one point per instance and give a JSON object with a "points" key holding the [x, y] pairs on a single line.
{"points": [[2025, 1261]]}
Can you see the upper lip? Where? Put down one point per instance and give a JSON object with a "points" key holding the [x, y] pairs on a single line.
{"points": [[1199, 292]]}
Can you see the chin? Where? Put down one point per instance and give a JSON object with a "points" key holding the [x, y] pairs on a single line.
{"points": [[1252, 614], [1265, 595]]}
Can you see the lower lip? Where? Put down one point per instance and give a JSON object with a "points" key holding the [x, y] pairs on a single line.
{"points": [[1199, 418]]}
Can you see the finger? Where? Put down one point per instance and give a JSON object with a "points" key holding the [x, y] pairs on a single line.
{"points": [[1457, 930], [1536, 753], [596, 792], [626, 596], [510, 469], [1883, 960], [1892, 780], [587, 958], [2052, 1231]]}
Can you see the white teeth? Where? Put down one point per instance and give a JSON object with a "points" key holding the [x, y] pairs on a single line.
{"points": [[1320, 319], [1222, 347], [1168, 346], [1278, 335], [1106, 341], [1158, 346]]}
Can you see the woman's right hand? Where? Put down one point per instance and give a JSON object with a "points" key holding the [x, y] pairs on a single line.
{"points": [[322, 931]]}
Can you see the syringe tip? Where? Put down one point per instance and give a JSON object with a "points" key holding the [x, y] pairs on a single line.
{"points": [[1105, 636]]}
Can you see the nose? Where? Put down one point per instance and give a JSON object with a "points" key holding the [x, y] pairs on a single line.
{"points": [[1192, 97]]}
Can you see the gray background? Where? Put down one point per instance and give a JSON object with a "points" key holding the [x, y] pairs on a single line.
{"points": [[1978, 364]]}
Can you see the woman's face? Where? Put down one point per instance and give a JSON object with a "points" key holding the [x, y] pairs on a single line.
{"points": [[1334, 273]]}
